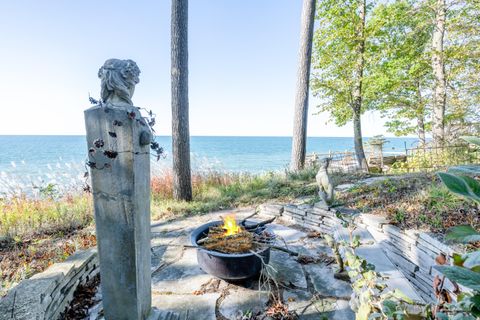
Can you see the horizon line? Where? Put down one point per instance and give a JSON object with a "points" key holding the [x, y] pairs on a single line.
{"points": [[201, 136]]}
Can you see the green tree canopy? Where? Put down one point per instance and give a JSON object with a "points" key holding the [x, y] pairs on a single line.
{"points": [[400, 74], [335, 57]]}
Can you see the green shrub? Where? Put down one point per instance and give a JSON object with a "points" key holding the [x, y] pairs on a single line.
{"points": [[461, 183], [425, 159], [466, 268], [303, 175]]}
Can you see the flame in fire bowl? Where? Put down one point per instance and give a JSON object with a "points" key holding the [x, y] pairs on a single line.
{"points": [[228, 266]]}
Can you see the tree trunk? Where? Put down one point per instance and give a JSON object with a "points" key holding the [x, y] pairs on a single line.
{"points": [[182, 181], [357, 90], [358, 140], [299, 139], [439, 98], [421, 129], [420, 117]]}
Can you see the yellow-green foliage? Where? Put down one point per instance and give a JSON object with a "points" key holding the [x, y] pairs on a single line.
{"points": [[20, 216], [432, 159]]}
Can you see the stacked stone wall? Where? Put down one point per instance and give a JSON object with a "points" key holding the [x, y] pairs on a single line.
{"points": [[411, 251], [308, 216], [45, 295]]}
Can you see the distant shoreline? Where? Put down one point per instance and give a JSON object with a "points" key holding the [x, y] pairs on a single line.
{"points": [[37, 154], [202, 136], [29, 161]]}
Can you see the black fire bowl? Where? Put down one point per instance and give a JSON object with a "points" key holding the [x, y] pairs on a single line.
{"points": [[228, 266]]}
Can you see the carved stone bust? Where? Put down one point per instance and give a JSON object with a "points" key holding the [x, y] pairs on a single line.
{"points": [[119, 78]]}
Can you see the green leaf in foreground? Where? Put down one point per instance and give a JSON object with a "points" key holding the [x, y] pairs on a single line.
{"points": [[397, 293], [389, 307], [463, 276], [463, 316], [465, 169], [458, 259], [441, 316], [473, 185], [463, 233], [472, 260], [472, 140], [455, 184]]}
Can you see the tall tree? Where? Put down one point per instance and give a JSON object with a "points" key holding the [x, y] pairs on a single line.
{"points": [[299, 139], [462, 69], [438, 66], [402, 74], [182, 181], [358, 84], [340, 63], [401, 70]]}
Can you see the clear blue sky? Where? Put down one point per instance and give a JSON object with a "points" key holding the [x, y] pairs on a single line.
{"points": [[242, 57]]}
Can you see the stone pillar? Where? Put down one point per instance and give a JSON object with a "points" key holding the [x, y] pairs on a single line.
{"points": [[119, 160]]}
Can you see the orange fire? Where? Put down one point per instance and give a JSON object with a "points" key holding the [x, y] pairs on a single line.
{"points": [[230, 225]]}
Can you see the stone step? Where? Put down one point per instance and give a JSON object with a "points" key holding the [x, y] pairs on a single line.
{"points": [[374, 254], [162, 315]]}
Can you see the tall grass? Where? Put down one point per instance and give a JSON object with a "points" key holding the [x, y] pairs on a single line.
{"points": [[24, 216], [45, 201], [213, 190], [21, 180], [52, 210], [162, 183]]}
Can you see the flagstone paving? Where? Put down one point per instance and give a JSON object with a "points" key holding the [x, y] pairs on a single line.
{"points": [[179, 286], [181, 290]]}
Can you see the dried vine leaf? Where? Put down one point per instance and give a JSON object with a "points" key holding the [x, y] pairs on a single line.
{"points": [[441, 259]]}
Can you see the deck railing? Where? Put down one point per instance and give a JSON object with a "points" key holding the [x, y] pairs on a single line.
{"points": [[418, 159], [431, 158], [345, 162]]}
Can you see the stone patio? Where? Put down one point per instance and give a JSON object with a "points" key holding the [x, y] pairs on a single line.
{"points": [[181, 287], [181, 290]]}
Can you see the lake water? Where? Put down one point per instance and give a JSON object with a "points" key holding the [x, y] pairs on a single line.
{"points": [[30, 162], [30, 155]]}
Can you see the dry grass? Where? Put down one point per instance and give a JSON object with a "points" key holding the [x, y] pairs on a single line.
{"points": [[162, 184], [35, 233], [416, 201], [23, 217], [213, 190], [21, 259]]}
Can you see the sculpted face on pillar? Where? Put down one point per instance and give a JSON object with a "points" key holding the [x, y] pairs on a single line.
{"points": [[119, 78]]}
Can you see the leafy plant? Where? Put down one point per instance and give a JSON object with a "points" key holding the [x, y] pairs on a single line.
{"points": [[49, 191], [465, 271], [399, 216], [466, 268], [461, 183], [463, 233], [374, 300]]}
